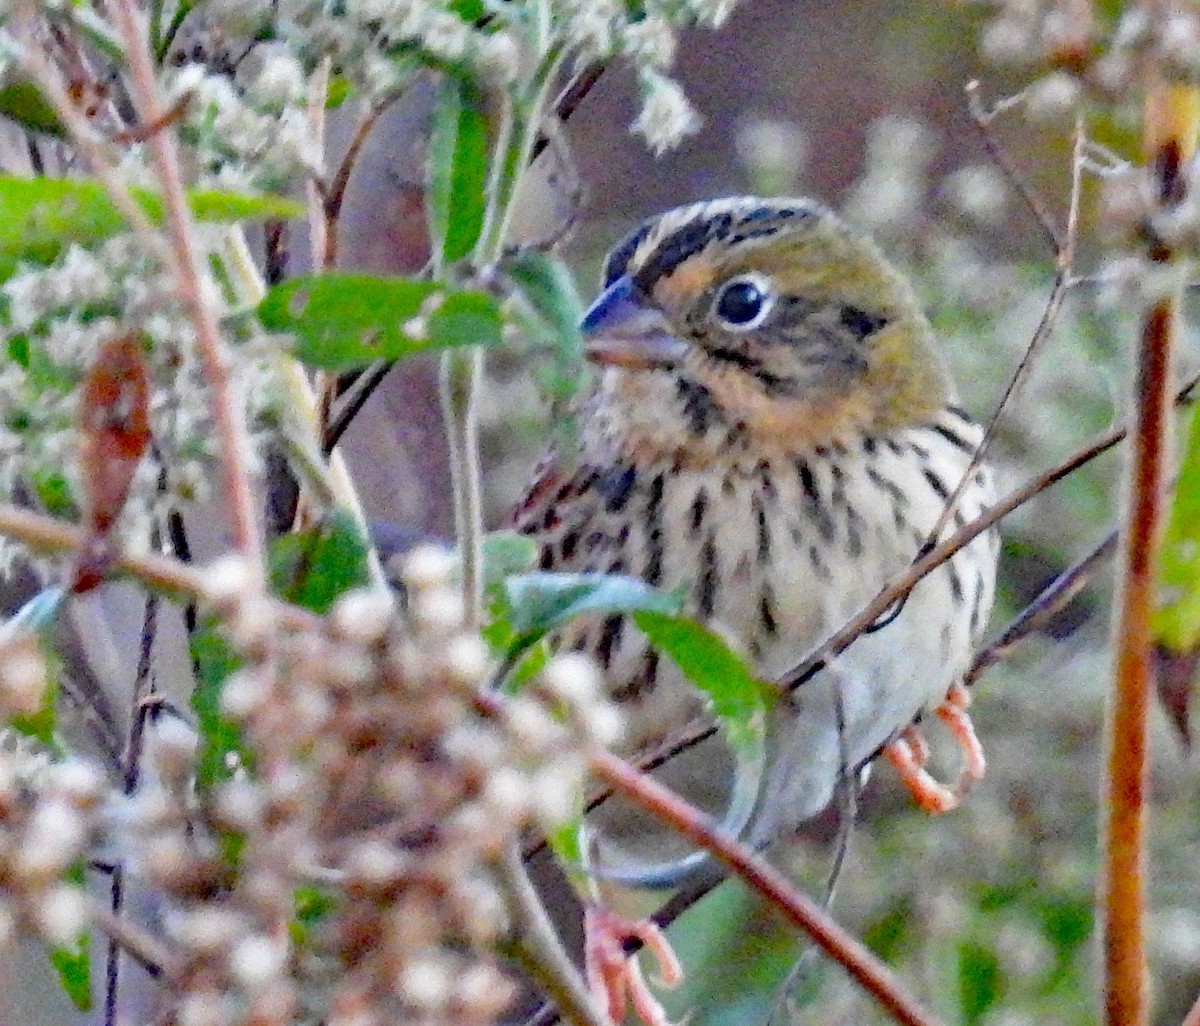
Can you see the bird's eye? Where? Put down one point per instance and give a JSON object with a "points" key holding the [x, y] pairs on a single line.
{"points": [[743, 302]]}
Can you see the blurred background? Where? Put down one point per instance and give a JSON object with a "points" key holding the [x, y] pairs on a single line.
{"points": [[986, 912]]}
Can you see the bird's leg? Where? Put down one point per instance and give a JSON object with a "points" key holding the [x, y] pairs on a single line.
{"points": [[910, 752], [953, 713], [614, 975]]}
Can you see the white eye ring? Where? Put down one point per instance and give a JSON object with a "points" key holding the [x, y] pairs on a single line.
{"points": [[744, 302]]}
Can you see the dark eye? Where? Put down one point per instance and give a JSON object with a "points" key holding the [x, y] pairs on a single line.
{"points": [[742, 302]]}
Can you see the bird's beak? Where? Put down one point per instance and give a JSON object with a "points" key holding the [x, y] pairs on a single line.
{"points": [[621, 330]]}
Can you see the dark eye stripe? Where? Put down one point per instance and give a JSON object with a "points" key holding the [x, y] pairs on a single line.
{"points": [[677, 247]]}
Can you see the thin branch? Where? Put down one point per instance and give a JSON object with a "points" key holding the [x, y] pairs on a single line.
{"points": [[318, 224], [867, 970], [143, 686], [50, 535], [537, 948], [140, 945], [573, 94], [1064, 260], [95, 150], [352, 400], [334, 194], [1053, 598], [900, 586], [1172, 119], [983, 118], [228, 414]]}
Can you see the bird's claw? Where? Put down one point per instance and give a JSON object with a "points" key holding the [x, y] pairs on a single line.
{"points": [[614, 975], [910, 752]]}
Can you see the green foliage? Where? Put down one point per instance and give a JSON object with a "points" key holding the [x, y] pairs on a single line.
{"points": [[313, 906], [980, 980], [25, 104], [539, 603], [312, 568], [214, 660], [342, 321], [551, 316], [73, 963], [39, 217], [457, 169], [1177, 619]]}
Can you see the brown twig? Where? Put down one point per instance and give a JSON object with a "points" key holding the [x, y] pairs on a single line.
{"points": [[1172, 119], [333, 195], [870, 973], [227, 412], [900, 586], [573, 94], [140, 133], [1054, 597], [143, 687], [140, 945], [47, 534]]}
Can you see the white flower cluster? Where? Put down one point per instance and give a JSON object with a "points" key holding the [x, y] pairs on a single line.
{"points": [[250, 131], [379, 44], [1103, 56], [601, 29], [49, 816], [379, 777], [53, 320]]}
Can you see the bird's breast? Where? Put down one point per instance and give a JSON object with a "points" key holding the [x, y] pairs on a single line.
{"points": [[776, 554]]}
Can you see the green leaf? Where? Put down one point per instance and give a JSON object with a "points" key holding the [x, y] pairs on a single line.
{"points": [[215, 661], [541, 602], [506, 553], [567, 841], [312, 568], [548, 289], [738, 697], [458, 164], [221, 207], [340, 90], [980, 980], [313, 906], [40, 216], [1176, 621], [73, 964], [25, 103], [54, 493], [548, 286], [343, 321]]}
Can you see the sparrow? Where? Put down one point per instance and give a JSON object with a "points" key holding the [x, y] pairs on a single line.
{"points": [[773, 433]]}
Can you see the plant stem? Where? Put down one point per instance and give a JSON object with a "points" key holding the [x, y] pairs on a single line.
{"points": [[461, 372], [871, 974], [227, 411], [536, 947], [1172, 118]]}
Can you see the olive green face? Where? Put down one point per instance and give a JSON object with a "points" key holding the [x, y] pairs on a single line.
{"points": [[775, 303]]}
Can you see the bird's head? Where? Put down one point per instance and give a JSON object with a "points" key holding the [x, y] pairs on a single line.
{"points": [[759, 322]]}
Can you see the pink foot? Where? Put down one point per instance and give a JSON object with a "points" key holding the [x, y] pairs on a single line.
{"points": [[614, 977], [909, 753]]}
